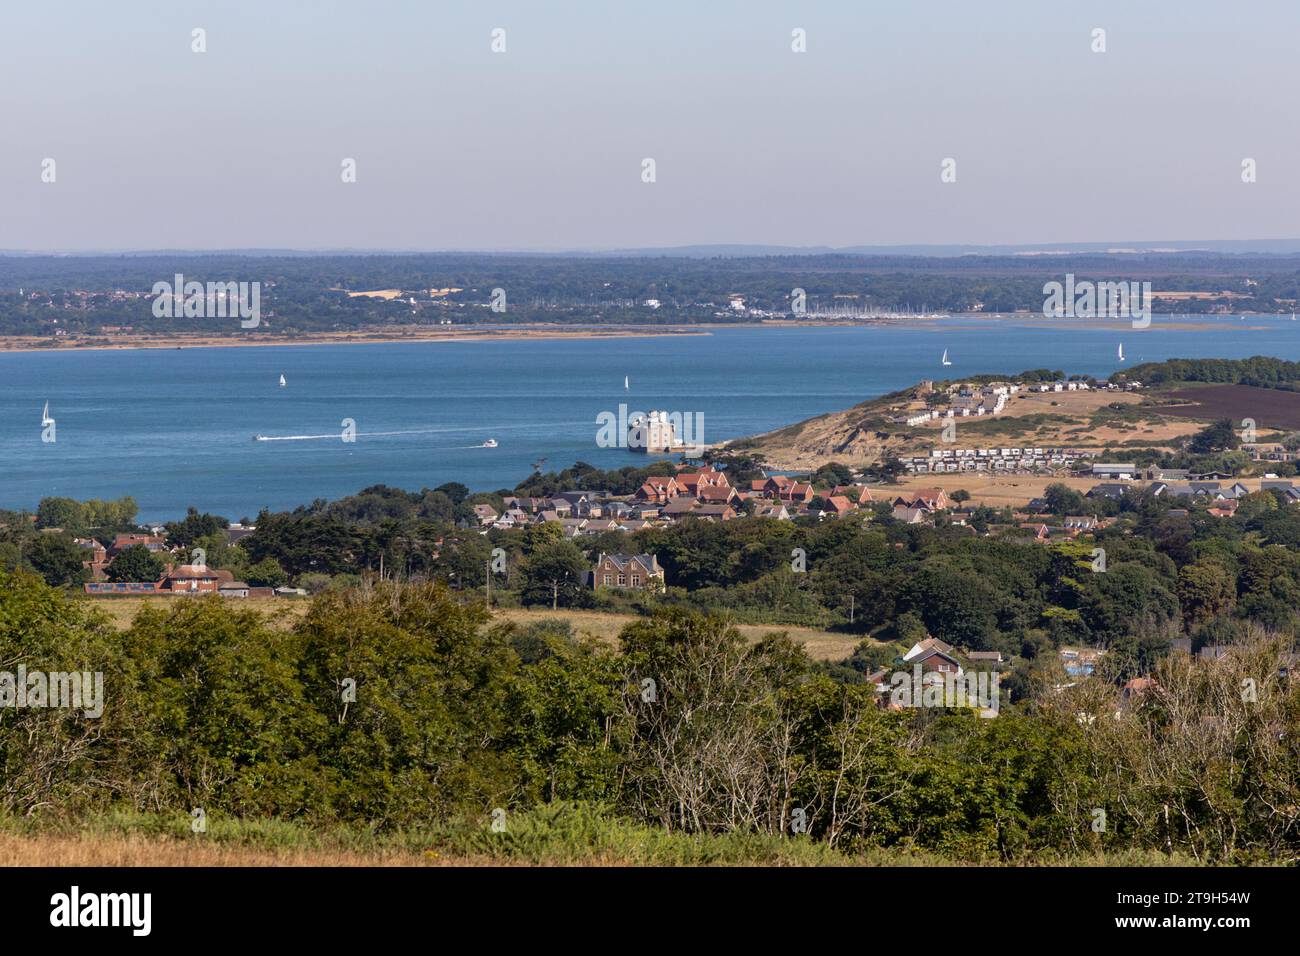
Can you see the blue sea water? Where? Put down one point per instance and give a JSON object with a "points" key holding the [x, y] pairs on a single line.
{"points": [[174, 427]]}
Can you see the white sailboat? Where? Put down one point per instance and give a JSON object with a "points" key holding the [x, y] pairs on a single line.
{"points": [[1121, 351], [626, 386], [45, 416], [946, 360], [283, 383]]}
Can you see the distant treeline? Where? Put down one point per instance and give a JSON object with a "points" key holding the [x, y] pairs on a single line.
{"points": [[309, 293], [1260, 370]]}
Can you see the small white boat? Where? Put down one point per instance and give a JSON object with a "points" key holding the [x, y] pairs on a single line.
{"points": [[283, 383], [259, 438], [45, 415], [626, 386], [946, 360], [490, 443], [1121, 351]]}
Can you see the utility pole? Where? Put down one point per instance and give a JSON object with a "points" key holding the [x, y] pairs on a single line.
{"points": [[555, 594], [488, 566], [852, 598]]}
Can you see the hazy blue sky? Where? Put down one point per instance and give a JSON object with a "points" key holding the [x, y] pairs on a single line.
{"points": [[541, 147]]}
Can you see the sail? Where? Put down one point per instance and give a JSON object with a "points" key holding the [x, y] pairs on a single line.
{"points": [[282, 381]]}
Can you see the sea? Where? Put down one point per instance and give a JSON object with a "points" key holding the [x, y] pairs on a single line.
{"points": [[175, 428]]}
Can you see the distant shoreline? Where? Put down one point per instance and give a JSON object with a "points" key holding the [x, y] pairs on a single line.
{"points": [[171, 341], [400, 334]]}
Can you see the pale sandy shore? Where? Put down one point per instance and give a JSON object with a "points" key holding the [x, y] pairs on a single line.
{"points": [[21, 343]]}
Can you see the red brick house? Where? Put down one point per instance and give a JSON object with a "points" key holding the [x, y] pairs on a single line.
{"points": [[659, 489], [784, 488], [154, 542], [858, 494], [691, 483], [192, 577], [838, 505]]}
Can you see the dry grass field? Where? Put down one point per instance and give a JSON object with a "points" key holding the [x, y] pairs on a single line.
{"points": [[996, 491], [281, 612], [860, 436], [122, 850], [604, 626], [600, 625]]}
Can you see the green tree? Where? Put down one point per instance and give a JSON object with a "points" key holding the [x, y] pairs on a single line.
{"points": [[64, 513], [136, 563], [266, 573], [555, 573], [1219, 436], [56, 559], [194, 526], [1205, 590]]}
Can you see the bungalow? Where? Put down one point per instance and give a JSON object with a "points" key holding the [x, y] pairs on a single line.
{"points": [[714, 511], [771, 509], [1080, 522], [1106, 490], [485, 514], [626, 571], [679, 507], [934, 656], [908, 515]]}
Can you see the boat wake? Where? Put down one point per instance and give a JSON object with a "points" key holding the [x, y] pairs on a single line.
{"points": [[490, 443]]}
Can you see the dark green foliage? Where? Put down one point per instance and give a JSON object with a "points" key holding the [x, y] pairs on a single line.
{"points": [[136, 563]]}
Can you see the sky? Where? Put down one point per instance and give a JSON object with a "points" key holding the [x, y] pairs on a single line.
{"points": [[541, 147]]}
